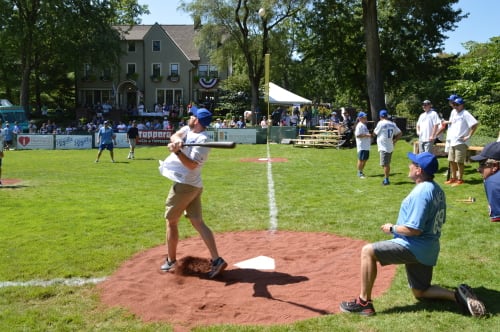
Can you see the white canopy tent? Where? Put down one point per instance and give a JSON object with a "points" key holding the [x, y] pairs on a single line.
{"points": [[278, 95]]}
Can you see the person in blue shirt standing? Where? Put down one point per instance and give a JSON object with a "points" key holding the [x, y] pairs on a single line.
{"points": [[489, 164], [415, 244], [105, 139]]}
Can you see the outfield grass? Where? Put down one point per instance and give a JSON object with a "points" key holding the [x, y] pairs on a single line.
{"points": [[71, 217]]}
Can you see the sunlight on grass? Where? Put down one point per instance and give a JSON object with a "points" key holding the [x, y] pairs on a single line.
{"points": [[75, 218]]}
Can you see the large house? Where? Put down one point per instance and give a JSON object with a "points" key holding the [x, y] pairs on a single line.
{"points": [[161, 65]]}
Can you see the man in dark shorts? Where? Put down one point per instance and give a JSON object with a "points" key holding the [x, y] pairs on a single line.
{"points": [[132, 134], [415, 244]]}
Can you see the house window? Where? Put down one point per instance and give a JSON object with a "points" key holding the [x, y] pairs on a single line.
{"points": [[93, 96], [130, 68], [203, 70], [156, 70], [106, 74], [87, 70], [208, 71], [156, 46], [169, 96], [174, 69], [213, 71], [131, 46]]}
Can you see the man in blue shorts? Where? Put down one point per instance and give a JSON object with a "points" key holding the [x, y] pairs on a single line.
{"points": [[105, 139], [415, 244], [363, 142], [489, 164]]}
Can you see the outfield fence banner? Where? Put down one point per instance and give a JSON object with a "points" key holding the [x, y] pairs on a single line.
{"points": [[150, 138], [35, 142], [240, 136], [73, 142], [154, 137]]}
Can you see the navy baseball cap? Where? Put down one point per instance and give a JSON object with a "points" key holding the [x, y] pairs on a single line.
{"points": [[383, 113], [426, 161], [202, 114], [361, 115], [490, 151], [459, 101], [452, 97]]}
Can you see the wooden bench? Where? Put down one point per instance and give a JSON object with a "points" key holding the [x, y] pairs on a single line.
{"points": [[438, 150], [320, 139]]}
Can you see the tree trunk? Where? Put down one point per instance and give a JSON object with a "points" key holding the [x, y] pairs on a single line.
{"points": [[374, 79], [24, 94]]}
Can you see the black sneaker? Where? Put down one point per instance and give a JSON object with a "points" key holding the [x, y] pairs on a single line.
{"points": [[355, 307], [468, 301], [218, 266], [168, 266]]}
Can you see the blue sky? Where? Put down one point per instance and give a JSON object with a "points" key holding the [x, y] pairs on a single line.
{"points": [[480, 26]]}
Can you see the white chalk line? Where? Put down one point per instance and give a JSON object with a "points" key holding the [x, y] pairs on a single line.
{"points": [[273, 208], [57, 281]]}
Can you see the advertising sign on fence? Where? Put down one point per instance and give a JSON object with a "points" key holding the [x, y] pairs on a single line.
{"points": [[73, 142], [154, 137], [35, 142]]}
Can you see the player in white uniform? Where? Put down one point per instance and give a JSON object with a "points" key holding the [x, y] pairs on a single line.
{"points": [[387, 135]]}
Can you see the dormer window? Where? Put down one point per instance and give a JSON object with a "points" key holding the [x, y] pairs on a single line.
{"points": [[156, 46]]}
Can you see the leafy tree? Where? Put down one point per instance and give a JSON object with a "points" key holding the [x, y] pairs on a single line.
{"points": [[235, 26], [479, 83], [343, 44], [49, 39]]}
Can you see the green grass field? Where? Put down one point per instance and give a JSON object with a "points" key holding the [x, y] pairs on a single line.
{"points": [[70, 217]]}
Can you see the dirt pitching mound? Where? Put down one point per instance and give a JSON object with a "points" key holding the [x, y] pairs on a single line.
{"points": [[312, 273]]}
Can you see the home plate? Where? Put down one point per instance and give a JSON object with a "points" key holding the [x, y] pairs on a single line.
{"points": [[257, 263]]}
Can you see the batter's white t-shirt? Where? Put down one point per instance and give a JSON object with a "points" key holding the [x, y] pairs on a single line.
{"points": [[173, 168]]}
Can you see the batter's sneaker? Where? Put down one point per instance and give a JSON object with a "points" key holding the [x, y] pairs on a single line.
{"points": [[168, 266], [469, 302], [218, 266], [356, 307]]}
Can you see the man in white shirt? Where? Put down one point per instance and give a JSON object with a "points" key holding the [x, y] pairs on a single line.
{"points": [[461, 127], [363, 143], [183, 166], [387, 135], [427, 127]]}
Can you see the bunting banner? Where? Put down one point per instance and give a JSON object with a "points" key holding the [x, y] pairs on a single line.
{"points": [[208, 83]]}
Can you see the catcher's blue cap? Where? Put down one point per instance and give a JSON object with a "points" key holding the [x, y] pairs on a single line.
{"points": [[426, 161]]}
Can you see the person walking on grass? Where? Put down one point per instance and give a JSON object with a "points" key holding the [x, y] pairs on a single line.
{"points": [[387, 135], [132, 134], [105, 139], [415, 244], [363, 142], [489, 166], [183, 166]]}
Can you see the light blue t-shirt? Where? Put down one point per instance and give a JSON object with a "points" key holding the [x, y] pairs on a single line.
{"points": [[424, 209], [106, 135]]}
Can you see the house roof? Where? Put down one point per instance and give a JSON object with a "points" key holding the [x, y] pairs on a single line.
{"points": [[182, 35]]}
